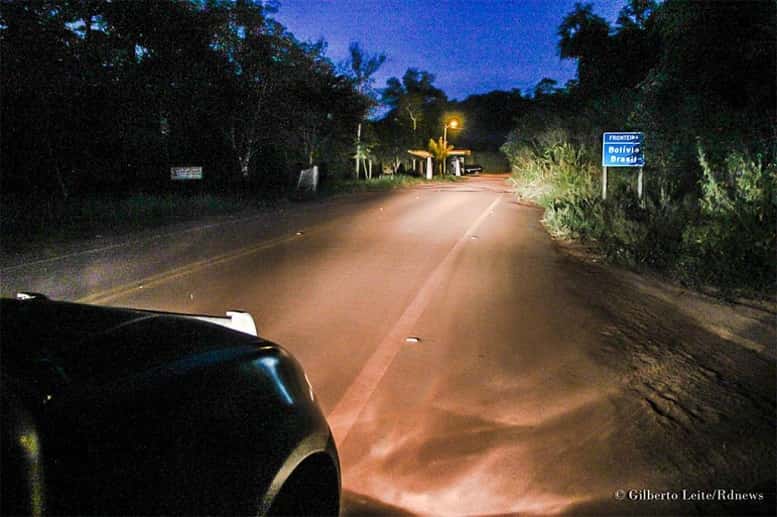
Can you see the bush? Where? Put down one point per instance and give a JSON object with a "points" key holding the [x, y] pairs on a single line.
{"points": [[726, 238], [387, 182], [24, 219], [733, 241]]}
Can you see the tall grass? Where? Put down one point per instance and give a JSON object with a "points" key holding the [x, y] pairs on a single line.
{"points": [[379, 183], [25, 221], [34, 219], [734, 233], [726, 238]]}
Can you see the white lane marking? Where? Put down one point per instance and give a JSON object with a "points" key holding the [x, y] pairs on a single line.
{"points": [[353, 402], [124, 244]]}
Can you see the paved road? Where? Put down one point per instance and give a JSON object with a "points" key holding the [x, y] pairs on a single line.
{"points": [[535, 385]]}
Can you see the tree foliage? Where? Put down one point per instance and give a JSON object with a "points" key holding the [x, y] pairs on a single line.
{"points": [[698, 78], [105, 96], [415, 104], [486, 118]]}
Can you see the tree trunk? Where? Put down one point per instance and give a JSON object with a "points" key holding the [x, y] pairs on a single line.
{"points": [[358, 147], [61, 182], [245, 160], [58, 171]]}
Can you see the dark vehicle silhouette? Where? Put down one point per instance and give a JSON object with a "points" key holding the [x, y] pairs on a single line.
{"points": [[119, 411], [471, 168]]}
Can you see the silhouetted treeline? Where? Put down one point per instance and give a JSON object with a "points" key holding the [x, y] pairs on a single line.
{"points": [[102, 96], [689, 74], [416, 111], [698, 78], [489, 117]]}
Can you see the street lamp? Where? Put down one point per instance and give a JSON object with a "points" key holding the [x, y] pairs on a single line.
{"points": [[453, 124]]}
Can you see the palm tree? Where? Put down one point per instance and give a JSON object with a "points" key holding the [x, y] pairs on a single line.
{"points": [[440, 150]]}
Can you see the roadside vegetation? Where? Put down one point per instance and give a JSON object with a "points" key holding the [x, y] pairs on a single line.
{"points": [[387, 182], [100, 99], [103, 98], [30, 221], [698, 80]]}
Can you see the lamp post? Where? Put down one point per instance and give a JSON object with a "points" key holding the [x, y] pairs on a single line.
{"points": [[453, 124]]}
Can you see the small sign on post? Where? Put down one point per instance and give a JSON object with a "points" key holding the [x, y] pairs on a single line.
{"points": [[623, 149], [308, 179], [185, 173]]}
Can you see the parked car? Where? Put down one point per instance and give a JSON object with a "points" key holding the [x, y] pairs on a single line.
{"points": [[122, 411], [471, 168]]}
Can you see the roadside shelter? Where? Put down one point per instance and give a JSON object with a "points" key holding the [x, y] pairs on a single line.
{"points": [[427, 165]]}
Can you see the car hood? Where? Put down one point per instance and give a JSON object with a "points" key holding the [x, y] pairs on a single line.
{"points": [[91, 345]]}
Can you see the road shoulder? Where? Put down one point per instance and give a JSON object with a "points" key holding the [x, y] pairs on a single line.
{"points": [[749, 323]]}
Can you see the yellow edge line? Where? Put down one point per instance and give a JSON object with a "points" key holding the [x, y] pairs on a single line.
{"points": [[188, 269]]}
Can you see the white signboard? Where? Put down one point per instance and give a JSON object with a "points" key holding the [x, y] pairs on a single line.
{"points": [[308, 179], [185, 173]]}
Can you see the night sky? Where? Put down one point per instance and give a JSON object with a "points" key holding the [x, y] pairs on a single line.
{"points": [[471, 46]]}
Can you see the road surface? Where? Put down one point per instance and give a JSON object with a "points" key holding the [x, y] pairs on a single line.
{"points": [[466, 364]]}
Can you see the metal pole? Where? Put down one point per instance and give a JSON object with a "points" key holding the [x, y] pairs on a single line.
{"points": [[444, 147], [604, 182]]}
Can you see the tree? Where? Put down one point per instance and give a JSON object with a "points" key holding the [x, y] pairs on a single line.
{"points": [[714, 76], [104, 96], [415, 103], [440, 150], [323, 106], [255, 51], [636, 14], [486, 118], [361, 68], [584, 36]]}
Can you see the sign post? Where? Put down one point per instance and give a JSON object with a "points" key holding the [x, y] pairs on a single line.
{"points": [[623, 149], [604, 182], [639, 183]]}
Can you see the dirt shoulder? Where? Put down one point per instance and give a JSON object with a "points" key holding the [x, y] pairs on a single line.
{"points": [[750, 323], [692, 385]]}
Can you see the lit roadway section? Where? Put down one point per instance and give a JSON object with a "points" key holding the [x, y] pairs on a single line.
{"points": [[466, 364]]}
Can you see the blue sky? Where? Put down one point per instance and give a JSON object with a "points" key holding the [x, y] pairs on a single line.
{"points": [[472, 46]]}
